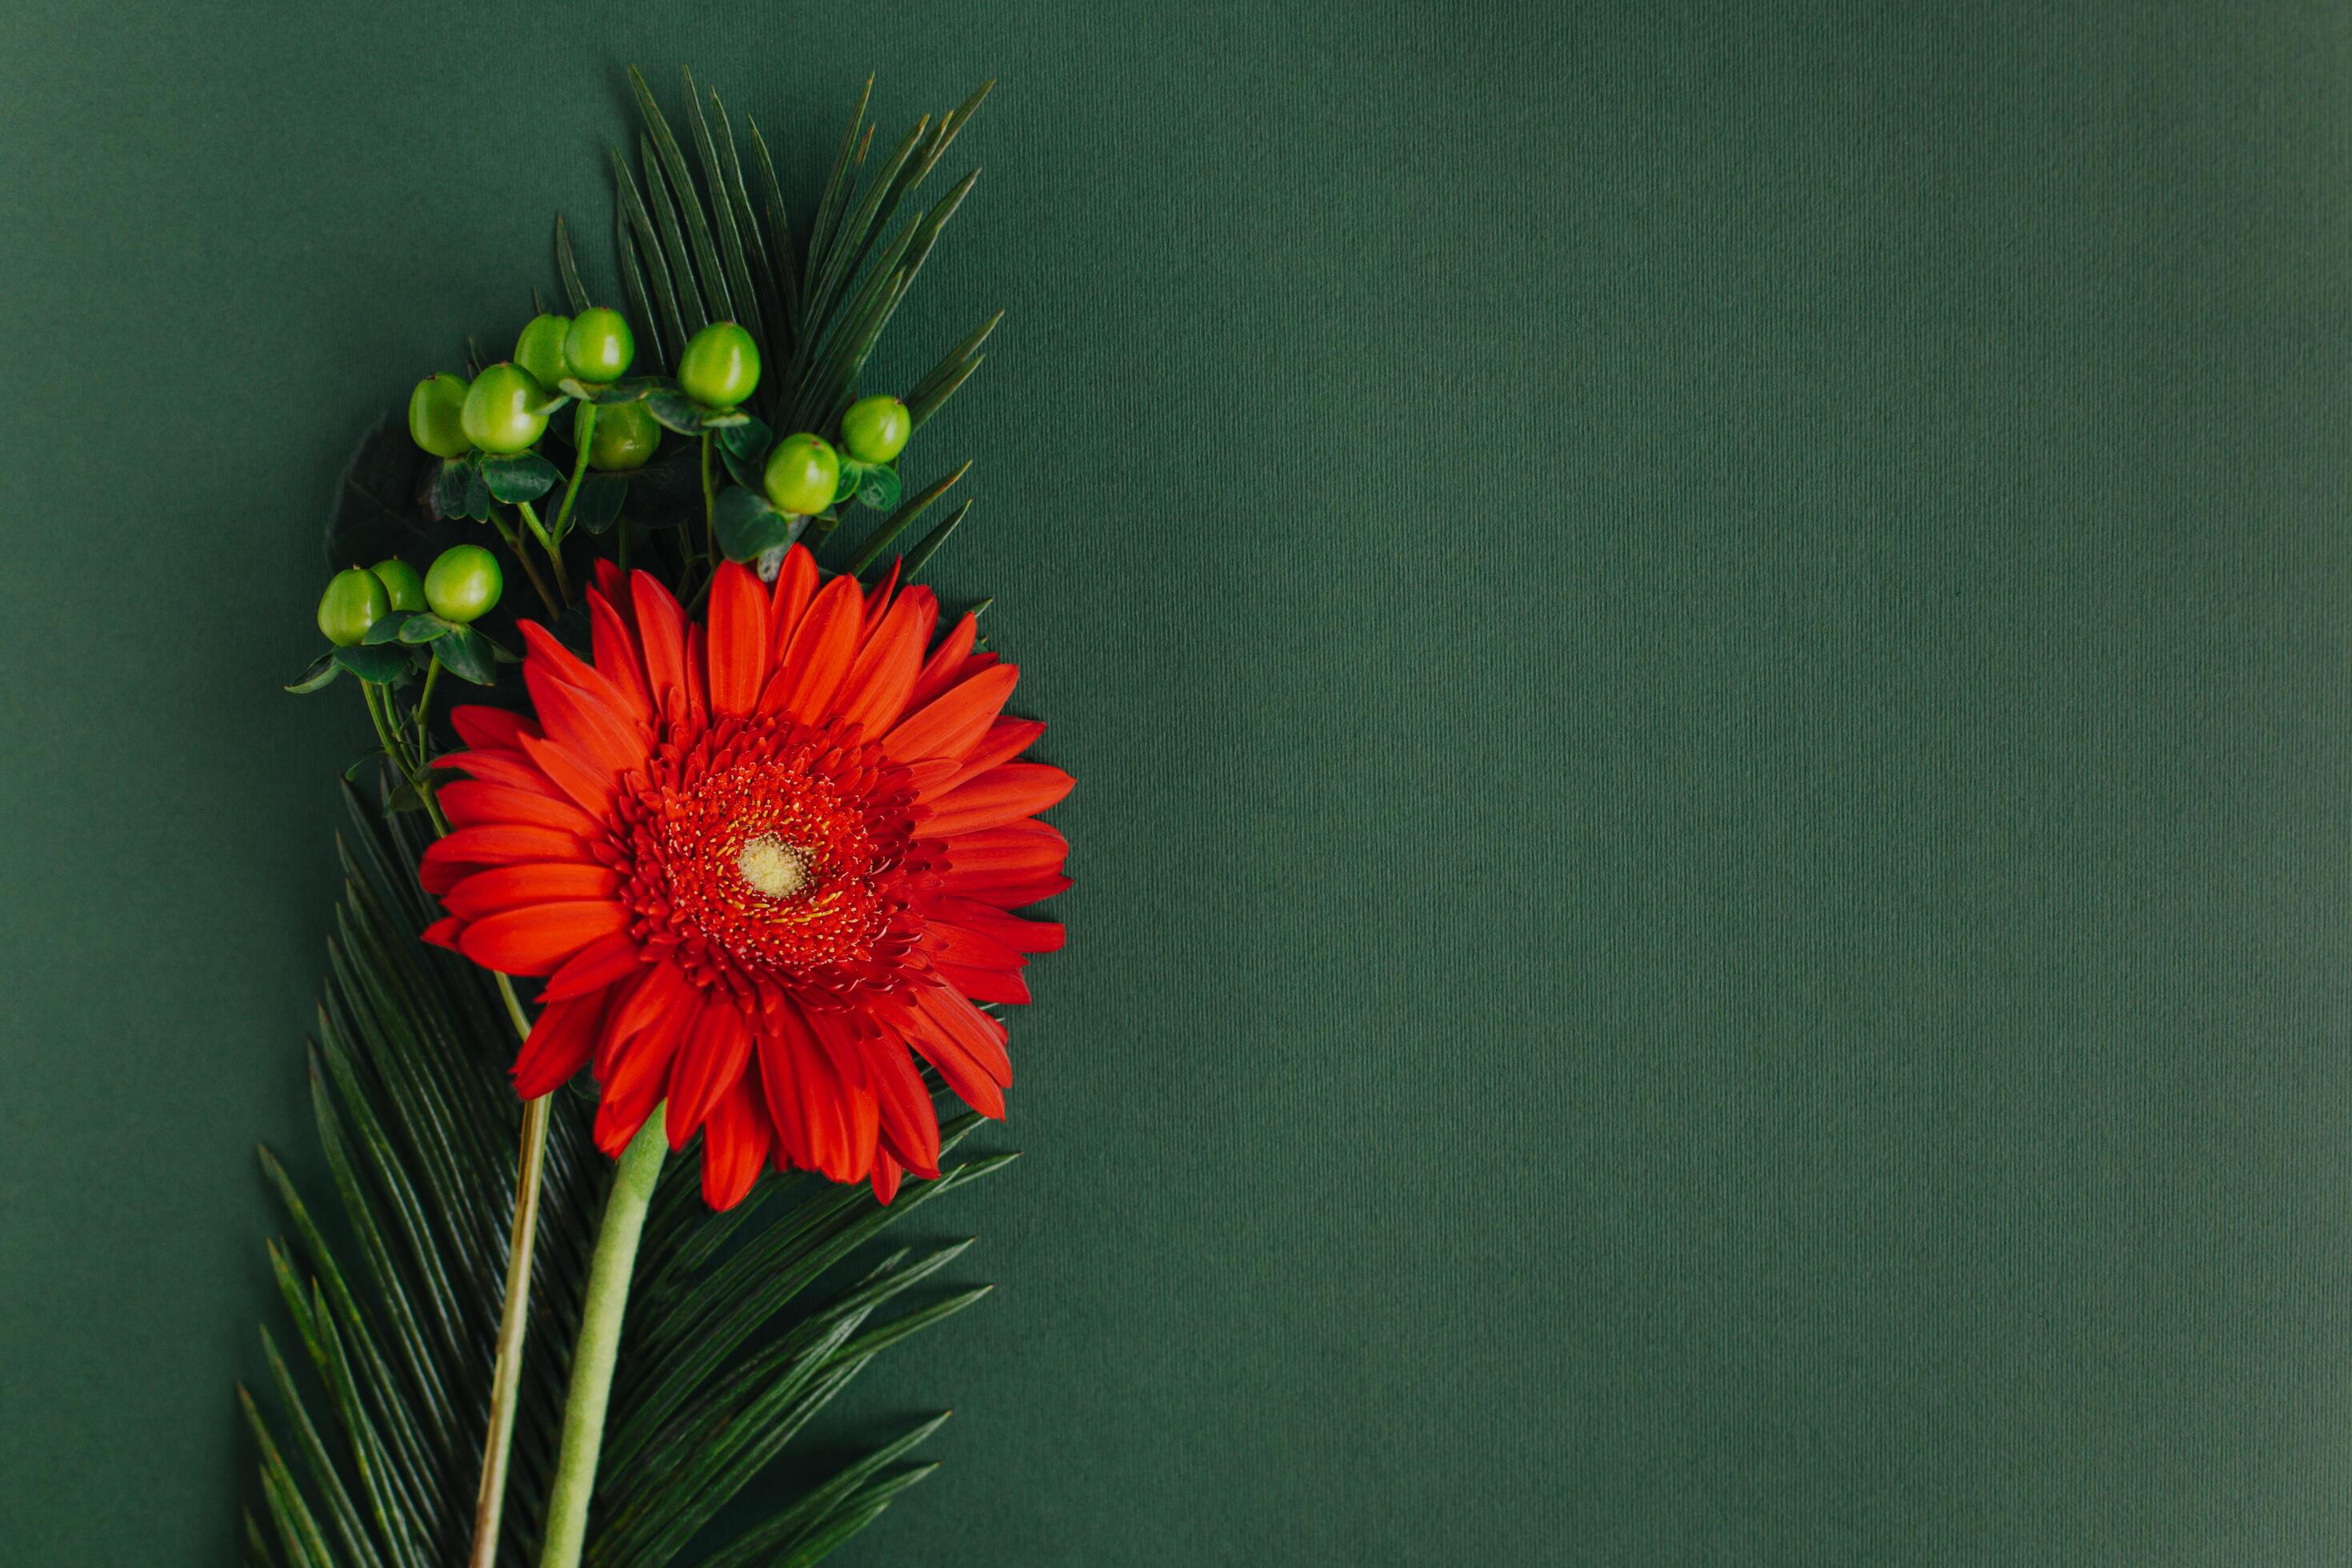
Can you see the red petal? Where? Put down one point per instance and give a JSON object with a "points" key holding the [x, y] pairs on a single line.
{"points": [[885, 1178], [909, 1127], [1017, 846], [566, 666], [471, 802], [952, 723], [1006, 738], [496, 767], [940, 670], [969, 1057], [502, 843], [877, 603], [529, 882], [707, 1065], [583, 725], [998, 796], [844, 1043], [734, 1145], [698, 686], [739, 639], [974, 950], [657, 1004], [1007, 889], [487, 729], [1019, 934], [442, 932], [605, 962], [638, 1075], [802, 1093], [566, 770], [795, 584], [661, 634], [615, 649], [873, 693], [536, 939], [804, 684], [1000, 985], [609, 579], [558, 1045]]}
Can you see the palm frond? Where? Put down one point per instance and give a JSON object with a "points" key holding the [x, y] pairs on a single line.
{"points": [[699, 242], [742, 1327]]}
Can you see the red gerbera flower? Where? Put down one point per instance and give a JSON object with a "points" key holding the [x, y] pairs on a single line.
{"points": [[761, 859]]}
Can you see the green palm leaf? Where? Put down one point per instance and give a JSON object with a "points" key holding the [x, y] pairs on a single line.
{"points": [[699, 242], [744, 1325]]}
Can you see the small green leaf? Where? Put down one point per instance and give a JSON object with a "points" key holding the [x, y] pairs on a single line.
{"points": [[468, 655], [853, 474], [600, 501], [747, 472], [524, 476], [747, 527], [747, 439], [673, 410], [724, 419], [877, 486], [322, 670], [479, 500], [422, 626], [449, 487], [387, 628], [379, 664], [631, 391]]}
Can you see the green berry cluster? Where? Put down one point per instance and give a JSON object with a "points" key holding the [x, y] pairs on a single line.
{"points": [[504, 410], [461, 586]]}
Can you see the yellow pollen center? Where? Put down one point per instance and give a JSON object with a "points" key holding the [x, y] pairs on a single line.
{"points": [[773, 867]]}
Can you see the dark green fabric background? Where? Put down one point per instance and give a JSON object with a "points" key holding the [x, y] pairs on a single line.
{"points": [[1706, 654]]}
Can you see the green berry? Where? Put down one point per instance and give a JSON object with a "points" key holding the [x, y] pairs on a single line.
{"points": [[599, 347], [434, 416], [355, 601], [721, 365], [875, 430], [540, 350], [464, 583], [502, 409], [803, 473], [625, 438], [400, 580]]}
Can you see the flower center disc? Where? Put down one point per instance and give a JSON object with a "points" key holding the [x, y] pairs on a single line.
{"points": [[773, 867], [761, 851]]}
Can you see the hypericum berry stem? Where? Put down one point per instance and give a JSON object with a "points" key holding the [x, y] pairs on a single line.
{"points": [[709, 505], [584, 431], [529, 570], [555, 555], [599, 1343], [424, 706]]}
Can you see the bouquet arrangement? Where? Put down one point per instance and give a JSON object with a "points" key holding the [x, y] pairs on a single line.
{"points": [[659, 951]]}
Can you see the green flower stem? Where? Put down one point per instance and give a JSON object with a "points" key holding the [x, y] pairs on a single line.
{"points": [[506, 1371], [600, 1341], [555, 555], [584, 430]]}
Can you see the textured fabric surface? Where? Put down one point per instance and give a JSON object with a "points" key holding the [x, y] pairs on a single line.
{"points": [[1705, 650]]}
